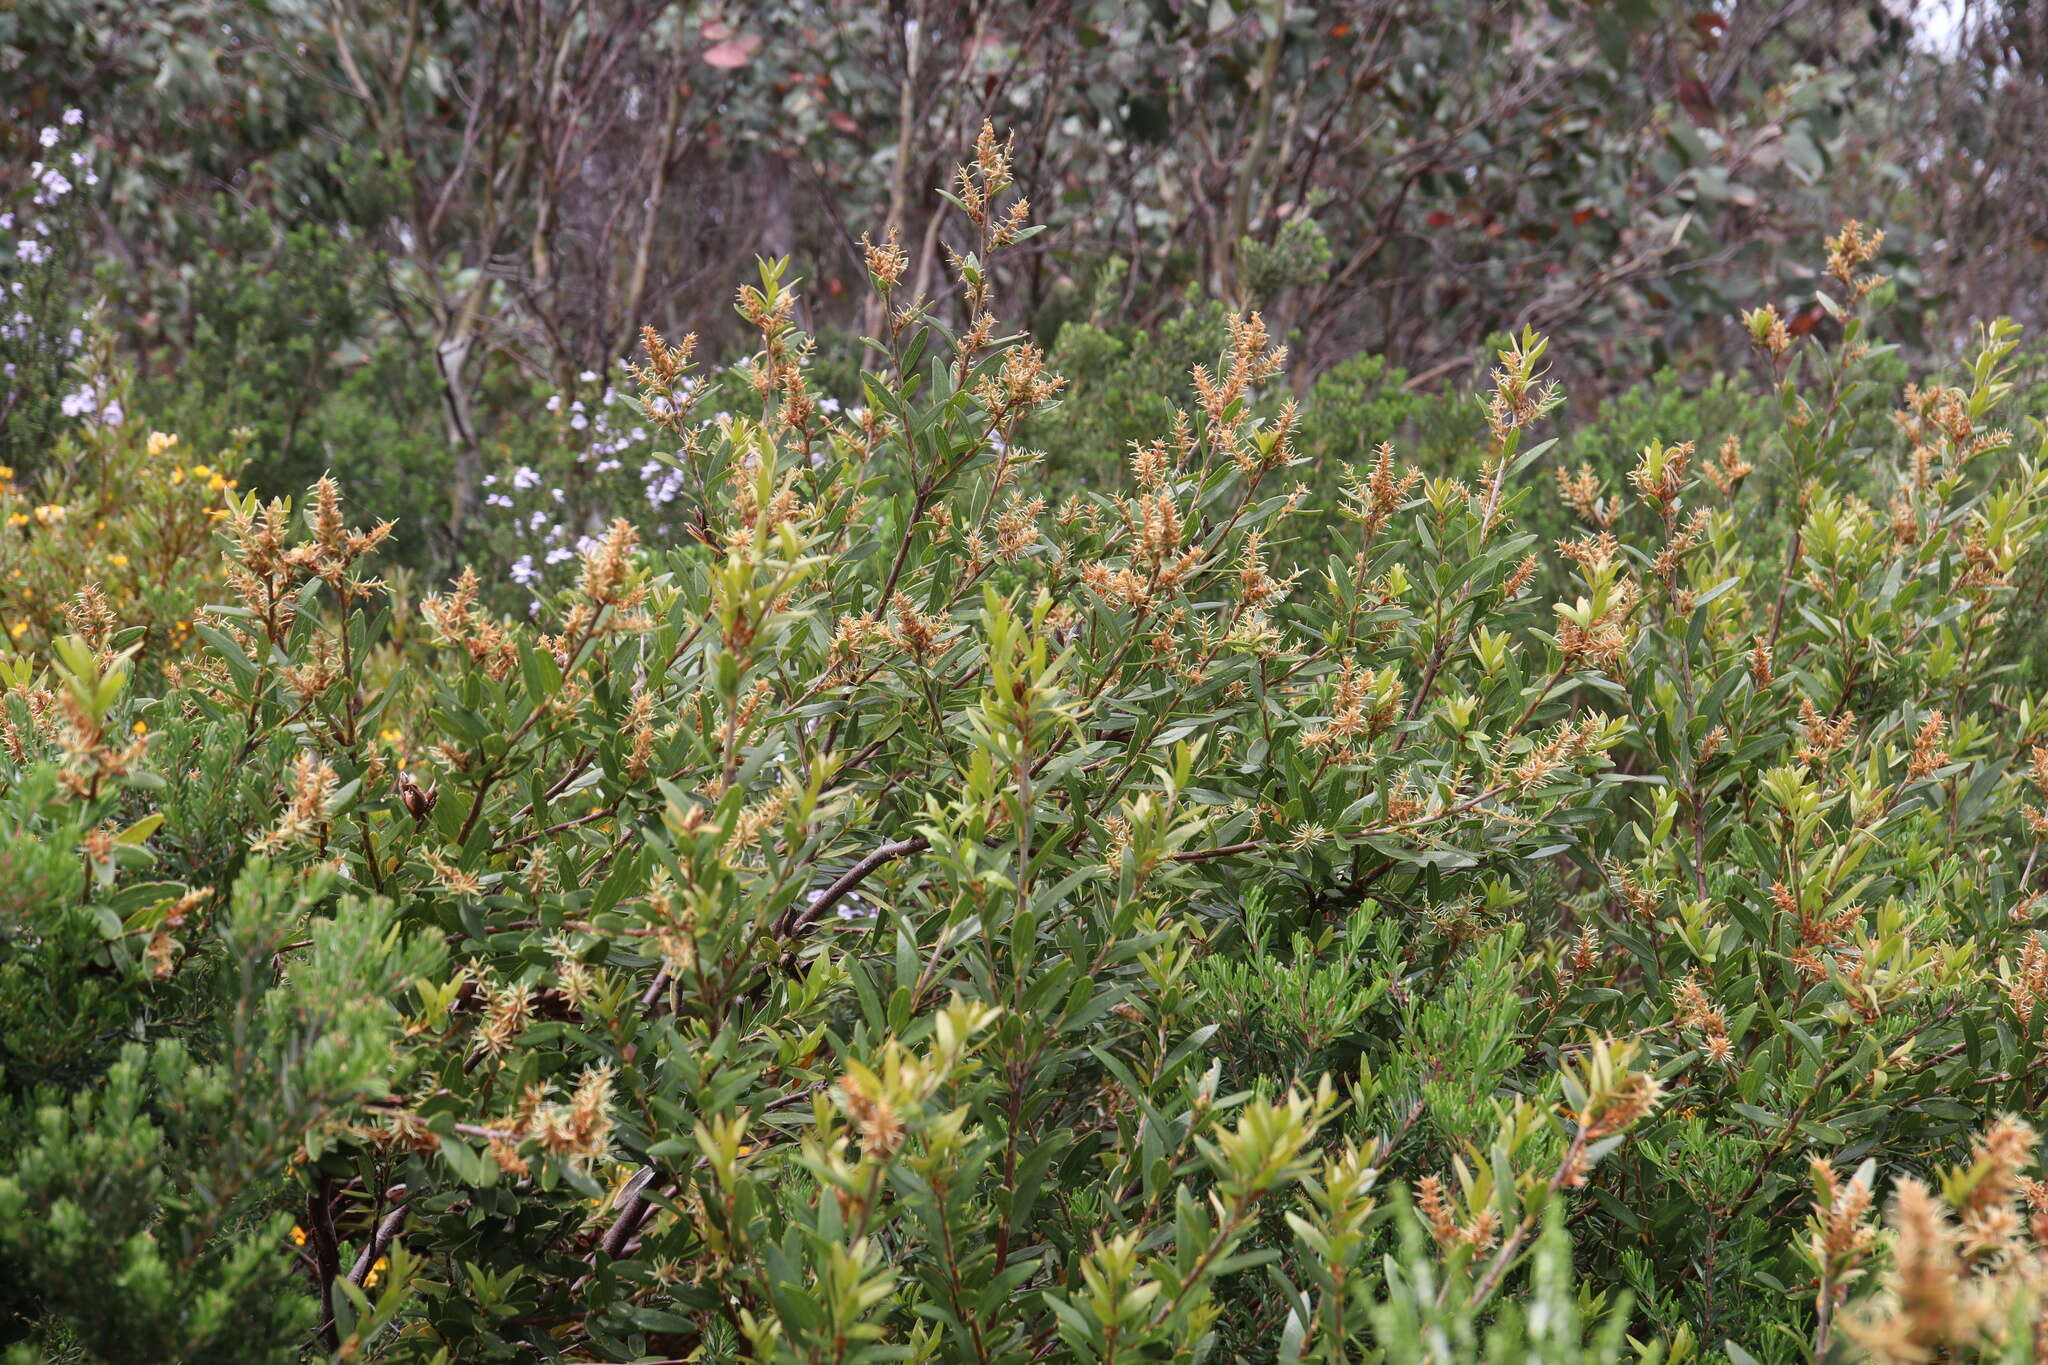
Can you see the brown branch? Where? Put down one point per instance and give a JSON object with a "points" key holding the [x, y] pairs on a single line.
{"points": [[631, 1215], [1203, 855], [793, 919], [660, 983], [380, 1242], [326, 1255]]}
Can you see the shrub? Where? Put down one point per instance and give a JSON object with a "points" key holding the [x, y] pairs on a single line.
{"points": [[41, 213], [268, 336], [901, 918], [126, 514]]}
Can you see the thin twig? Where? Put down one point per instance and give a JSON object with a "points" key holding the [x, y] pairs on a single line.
{"points": [[655, 988], [380, 1242], [793, 919], [631, 1214]]}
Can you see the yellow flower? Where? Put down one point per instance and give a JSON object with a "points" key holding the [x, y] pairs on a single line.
{"points": [[118, 561], [158, 444], [392, 736], [201, 471], [18, 519], [17, 629], [139, 727], [50, 513], [6, 471], [298, 1233], [377, 1269], [177, 475]]}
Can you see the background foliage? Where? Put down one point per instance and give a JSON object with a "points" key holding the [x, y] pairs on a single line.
{"points": [[375, 232]]}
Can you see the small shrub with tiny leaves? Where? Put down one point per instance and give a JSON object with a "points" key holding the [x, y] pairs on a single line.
{"points": [[1269, 907]]}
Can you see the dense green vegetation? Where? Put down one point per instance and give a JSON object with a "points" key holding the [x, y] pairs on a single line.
{"points": [[1413, 732]]}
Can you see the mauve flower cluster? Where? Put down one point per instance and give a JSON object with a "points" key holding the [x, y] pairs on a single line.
{"points": [[551, 525], [615, 471], [29, 232], [48, 187]]}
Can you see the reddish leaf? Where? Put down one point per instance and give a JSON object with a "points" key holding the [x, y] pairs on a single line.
{"points": [[734, 53], [1804, 321], [1692, 93], [843, 121], [1439, 219]]}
